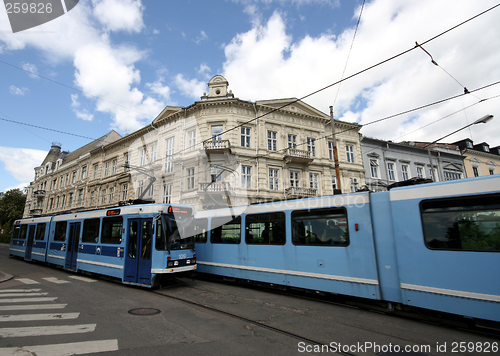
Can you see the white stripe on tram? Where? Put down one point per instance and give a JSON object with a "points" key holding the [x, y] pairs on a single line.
{"points": [[451, 292], [75, 348], [294, 273], [36, 317], [47, 330]]}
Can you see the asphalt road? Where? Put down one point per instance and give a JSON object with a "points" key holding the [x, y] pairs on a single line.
{"points": [[49, 311]]}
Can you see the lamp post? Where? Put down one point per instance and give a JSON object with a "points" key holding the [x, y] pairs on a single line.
{"points": [[482, 120]]}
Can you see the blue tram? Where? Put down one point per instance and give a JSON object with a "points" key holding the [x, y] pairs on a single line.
{"points": [[138, 244], [434, 246]]}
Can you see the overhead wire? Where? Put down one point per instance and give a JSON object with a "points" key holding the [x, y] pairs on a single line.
{"points": [[349, 53], [282, 106]]}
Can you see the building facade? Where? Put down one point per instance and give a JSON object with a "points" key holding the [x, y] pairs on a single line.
{"points": [[219, 151], [388, 162], [480, 159]]}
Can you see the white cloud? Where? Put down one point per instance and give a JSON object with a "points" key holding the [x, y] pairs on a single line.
{"points": [[158, 88], [193, 88], [266, 62], [202, 37], [18, 91], [204, 70], [19, 162], [120, 15], [31, 69], [81, 114], [109, 75]]}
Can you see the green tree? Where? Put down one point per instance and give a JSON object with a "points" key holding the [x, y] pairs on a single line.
{"points": [[11, 208]]}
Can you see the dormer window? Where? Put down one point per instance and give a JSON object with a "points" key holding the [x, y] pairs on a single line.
{"points": [[469, 144], [486, 148]]}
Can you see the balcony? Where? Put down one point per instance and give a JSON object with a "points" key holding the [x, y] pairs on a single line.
{"points": [[293, 155], [39, 193], [298, 192], [215, 187], [217, 146], [35, 212]]}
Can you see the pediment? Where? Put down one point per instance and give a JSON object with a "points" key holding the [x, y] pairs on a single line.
{"points": [[294, 106], [169, 110]]}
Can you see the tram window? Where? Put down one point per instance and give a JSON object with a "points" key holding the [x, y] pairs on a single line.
{"points": [[40, 231], [132, 239], [226, 230], [161, 242], [265, 229], [15, 233], [60, 232], [91, 230], [462, 224], [147, 229], [320, 227], [22, 233], [112, 230], [198, 229]]}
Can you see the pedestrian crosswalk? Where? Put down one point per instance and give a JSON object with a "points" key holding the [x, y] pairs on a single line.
{"points": [[21, 308], [55, 280]]}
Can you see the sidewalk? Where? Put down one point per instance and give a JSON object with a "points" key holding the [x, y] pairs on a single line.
{"points": [[4, 276]]}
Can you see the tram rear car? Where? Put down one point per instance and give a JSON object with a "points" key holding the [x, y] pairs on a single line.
{"points": [[433, 246], [139, 244]]}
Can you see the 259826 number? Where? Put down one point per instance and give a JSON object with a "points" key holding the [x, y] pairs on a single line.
{"points": [[31, 8], [474, 347]]}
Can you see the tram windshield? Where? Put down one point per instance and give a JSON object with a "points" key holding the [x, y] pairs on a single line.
{"points": [[170, 233]]}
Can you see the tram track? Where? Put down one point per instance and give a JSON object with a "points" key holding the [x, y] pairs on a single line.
{"points": [[250, 321], [230, 299]]}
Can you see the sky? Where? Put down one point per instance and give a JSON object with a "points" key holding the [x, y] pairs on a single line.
{"points": [[115, 64]]}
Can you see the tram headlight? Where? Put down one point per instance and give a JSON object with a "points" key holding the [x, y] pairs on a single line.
{"points": [[170, 263], [176, 263]]}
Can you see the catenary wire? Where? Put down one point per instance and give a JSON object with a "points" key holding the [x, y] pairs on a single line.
{"points": [[283, 106], [349, 53], [351, 76]]}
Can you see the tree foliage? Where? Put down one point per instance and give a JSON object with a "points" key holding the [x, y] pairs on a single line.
{"points": [[11, 208]]}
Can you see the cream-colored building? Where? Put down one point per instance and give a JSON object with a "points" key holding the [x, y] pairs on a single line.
{"points": [[219, 151], [480, 159]]}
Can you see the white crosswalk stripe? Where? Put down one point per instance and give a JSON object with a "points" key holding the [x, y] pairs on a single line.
{"points": [[55, 280], [46, 330], [19, 291], [4, 295], [24, 300], [18, 296], [32, 307], [27, 281], [38, 317], [84, 279], [75, 348]]}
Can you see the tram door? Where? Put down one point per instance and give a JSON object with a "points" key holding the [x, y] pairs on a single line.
{"points": [[138, 257], [29, 242], [72, 247]]}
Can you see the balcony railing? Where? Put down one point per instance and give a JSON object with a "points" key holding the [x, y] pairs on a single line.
{"points": [[299, 192], [298, 156], [215, 187], [39, 193], [217, 145], [36, 212]]}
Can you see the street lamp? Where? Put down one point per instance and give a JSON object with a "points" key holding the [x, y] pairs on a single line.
{"points": [[482, 120]]}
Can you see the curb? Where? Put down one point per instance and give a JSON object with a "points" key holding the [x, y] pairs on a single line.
{"points": [[4, 276]]}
